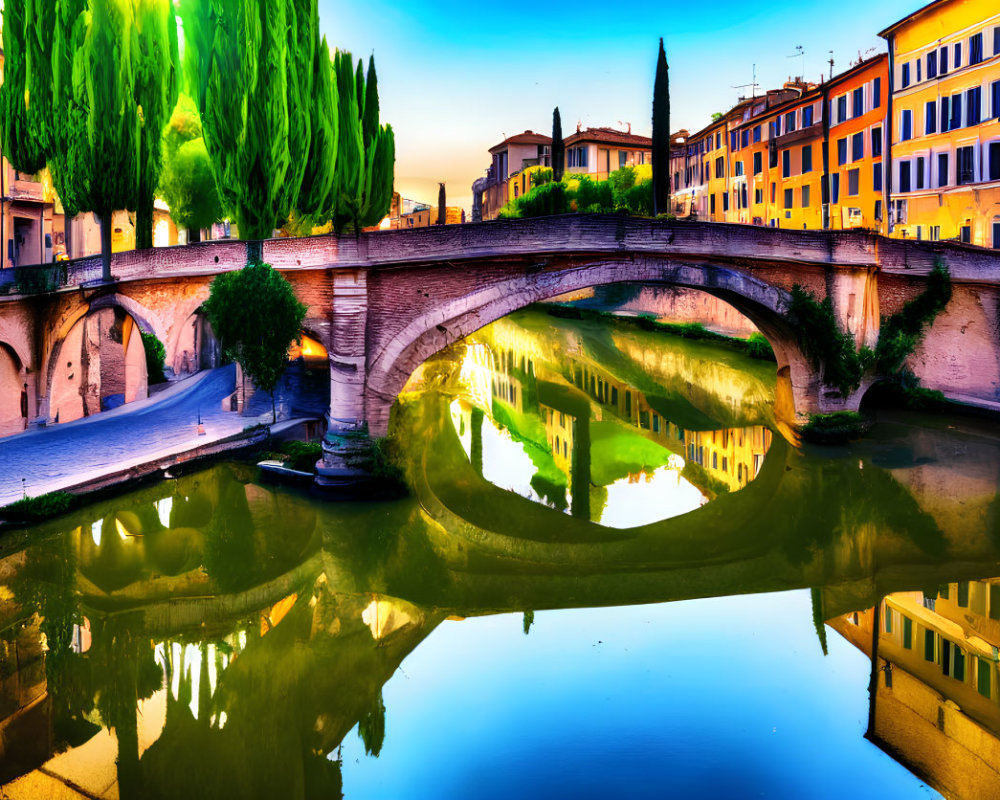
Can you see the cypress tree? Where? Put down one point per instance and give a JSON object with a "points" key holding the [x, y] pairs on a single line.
{"points": [[558, 148], [359, 82], [26, 93], [156, 92], [199, 18], [442, 207], [379, 177], [351, 160], [367, 156], [303, 39], [245, 112], [316, 196], [369, 125], [380, 155], [104, 161], [661, 136], [66, 164]]}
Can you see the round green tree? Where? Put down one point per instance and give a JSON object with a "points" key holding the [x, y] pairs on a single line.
{"points": [[256, 316], [187, 183]]}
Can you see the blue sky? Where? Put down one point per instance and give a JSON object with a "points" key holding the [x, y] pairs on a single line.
{"points": [[455, 78]]}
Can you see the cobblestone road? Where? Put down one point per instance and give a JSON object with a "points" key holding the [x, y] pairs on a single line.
{"points": [[58, 456]]}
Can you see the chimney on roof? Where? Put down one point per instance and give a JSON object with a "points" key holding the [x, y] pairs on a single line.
{"points": [[579, 125]]}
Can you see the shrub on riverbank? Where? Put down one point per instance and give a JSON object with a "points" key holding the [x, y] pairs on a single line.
{"points": [[756, 346], [759, 347], [302, 455], [35, 509], [835, 428]]}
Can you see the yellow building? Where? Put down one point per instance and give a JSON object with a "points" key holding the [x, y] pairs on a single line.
{"points": [[598, 152], [715, 168], [945, 122], [734, 456], [508, 159]]}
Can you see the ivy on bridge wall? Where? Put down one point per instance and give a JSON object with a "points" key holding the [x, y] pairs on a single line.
{"points": [[833, 350]]}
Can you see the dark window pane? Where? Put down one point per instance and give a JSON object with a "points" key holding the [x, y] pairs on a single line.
{"points": [[984, 677]]}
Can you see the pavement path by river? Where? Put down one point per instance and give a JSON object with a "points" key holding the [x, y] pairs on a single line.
{"points": [[58, 456]]}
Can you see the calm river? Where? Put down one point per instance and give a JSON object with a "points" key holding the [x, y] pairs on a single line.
{"points": [[614, 577]]}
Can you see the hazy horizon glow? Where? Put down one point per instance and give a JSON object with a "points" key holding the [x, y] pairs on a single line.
{"points": [[456, 78]]}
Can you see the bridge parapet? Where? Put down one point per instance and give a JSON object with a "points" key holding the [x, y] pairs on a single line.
{"points": [[573, 234]]}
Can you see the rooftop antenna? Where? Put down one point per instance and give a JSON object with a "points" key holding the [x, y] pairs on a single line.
{"points": [[753, 86], [831, 65], [801, 55]]}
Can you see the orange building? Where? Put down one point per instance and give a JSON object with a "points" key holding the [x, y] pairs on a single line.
{"points": [[715, 164], [814, 158]]}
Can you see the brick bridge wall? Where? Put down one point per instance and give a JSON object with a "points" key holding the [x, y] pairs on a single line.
{"points": [[383, 302]]}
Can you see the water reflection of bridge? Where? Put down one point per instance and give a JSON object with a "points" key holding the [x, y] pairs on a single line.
{"points": [[302, 612]]}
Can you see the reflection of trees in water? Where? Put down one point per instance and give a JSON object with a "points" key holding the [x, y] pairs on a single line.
{"points": [[125, 672], [839, 499], [371, 726], [229, 546], [255, 533], [526, 623], [819, 618], [47, 586]]}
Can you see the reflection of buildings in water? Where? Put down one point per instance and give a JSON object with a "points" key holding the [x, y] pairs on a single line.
{"points": [[734, 456], [25, 705], [507, 366], [510, 371], [937, 706], [560, 432]]}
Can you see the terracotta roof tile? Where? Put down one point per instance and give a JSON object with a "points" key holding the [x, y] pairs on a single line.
{"points": [[608, 136], [528, 137]]}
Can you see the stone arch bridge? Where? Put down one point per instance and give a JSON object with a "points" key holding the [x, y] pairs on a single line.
{"points": [[382, 303]]}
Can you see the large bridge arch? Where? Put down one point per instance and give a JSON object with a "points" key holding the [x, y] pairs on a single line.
{"points": [[393, 361]]}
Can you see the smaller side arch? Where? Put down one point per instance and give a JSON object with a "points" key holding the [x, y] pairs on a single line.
{"points": [[97, 360], [14, 393], [136, 311]]}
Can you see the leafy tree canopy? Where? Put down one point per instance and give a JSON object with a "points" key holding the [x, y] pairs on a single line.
{"points": [[256, 316], [187, 183], [627, 190]]}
